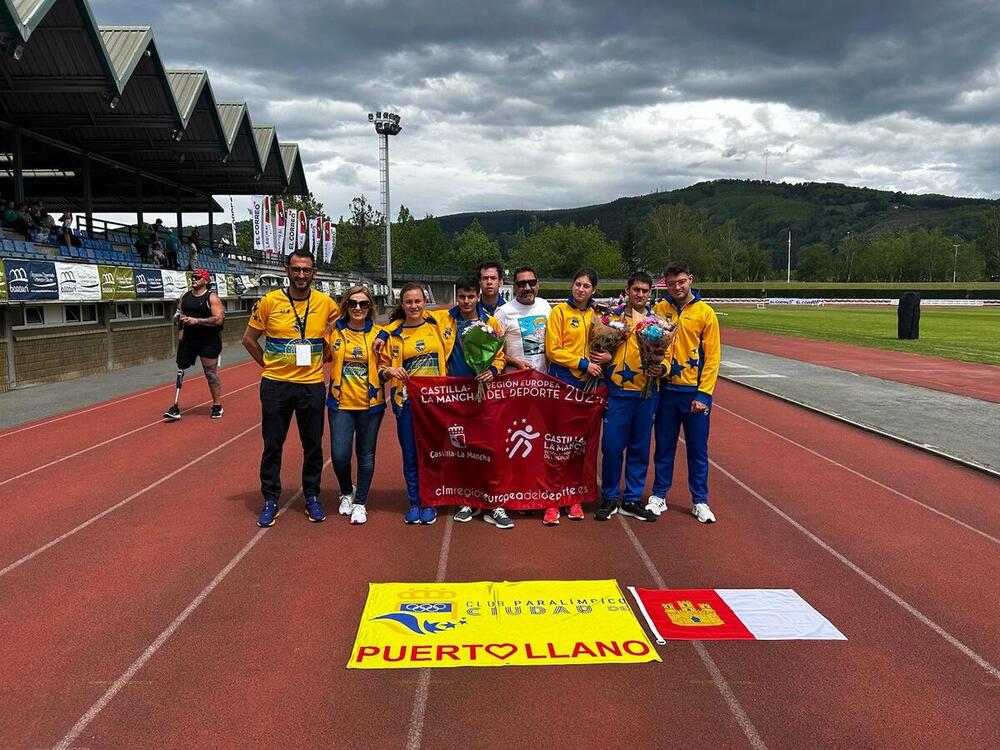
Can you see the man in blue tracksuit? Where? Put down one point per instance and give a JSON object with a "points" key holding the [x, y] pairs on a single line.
{"points": [[628, 420]]}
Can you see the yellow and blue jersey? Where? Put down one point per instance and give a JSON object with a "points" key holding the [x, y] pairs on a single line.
{"points": [[419, 349], [625, 375], [694, 355], [278, 316], [453, 326], [567, 342], [354, 367]]}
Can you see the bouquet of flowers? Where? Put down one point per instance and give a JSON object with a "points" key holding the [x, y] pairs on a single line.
{"points": [[480, 345], [654, 336], [606, 333]]}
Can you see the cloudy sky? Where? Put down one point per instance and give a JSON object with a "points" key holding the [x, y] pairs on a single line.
{"points": [[548, 104]]}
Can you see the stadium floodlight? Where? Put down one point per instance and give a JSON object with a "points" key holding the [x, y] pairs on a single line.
{"points": [[386, 124]]}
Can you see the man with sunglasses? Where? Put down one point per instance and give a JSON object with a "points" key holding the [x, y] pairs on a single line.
{"points": [[523, 322], [294, 321]]}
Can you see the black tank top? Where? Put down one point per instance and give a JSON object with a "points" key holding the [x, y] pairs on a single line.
{"points": [[198, 307]]}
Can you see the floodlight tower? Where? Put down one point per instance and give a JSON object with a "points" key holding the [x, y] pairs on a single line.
{"points": [[386, 124]]}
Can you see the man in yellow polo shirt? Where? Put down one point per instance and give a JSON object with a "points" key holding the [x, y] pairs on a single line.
{"points": [[294, 322]]}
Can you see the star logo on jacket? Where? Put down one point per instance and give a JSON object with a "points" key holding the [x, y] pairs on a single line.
{"points": [[676, 369], [627, 374]]}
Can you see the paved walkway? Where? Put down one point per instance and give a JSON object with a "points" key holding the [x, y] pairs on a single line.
{"points": [[958, 426]]}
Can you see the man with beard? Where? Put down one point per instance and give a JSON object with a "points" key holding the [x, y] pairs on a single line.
{"points": [[523, 321]]}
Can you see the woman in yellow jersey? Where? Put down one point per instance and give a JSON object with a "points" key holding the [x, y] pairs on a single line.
{"points": [[355, 404], [567, 347], [415, 346]]}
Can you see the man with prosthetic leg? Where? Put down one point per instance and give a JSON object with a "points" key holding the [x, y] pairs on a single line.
{"points": [[200, 315]]}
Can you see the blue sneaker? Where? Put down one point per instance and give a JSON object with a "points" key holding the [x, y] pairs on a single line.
{"points": [[314, 510], [428, 516], [412, 515], [268, 514]]}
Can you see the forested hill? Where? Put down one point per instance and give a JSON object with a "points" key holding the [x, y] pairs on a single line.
{"points": [[766, 211]]}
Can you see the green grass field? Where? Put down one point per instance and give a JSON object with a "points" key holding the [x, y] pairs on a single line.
{"points": [[971, 334]]}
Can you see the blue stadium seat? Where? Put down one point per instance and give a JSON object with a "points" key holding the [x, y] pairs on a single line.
{"points": [[8, 246], [2, 235], [91, 255]]}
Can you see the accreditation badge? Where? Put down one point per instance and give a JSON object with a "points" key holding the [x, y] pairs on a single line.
{"points": [[303, 352]]}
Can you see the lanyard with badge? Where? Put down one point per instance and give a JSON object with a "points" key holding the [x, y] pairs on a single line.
{"points": [[303, 349]]}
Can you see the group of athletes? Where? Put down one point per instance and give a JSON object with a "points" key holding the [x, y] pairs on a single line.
{"points": [[294, 331]]}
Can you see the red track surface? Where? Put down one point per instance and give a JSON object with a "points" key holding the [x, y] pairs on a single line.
{"points": [[962, 378], [897, 548]]}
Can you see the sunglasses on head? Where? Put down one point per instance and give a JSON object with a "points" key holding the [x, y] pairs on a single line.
{"points": [[526, 282], [361, 304]]}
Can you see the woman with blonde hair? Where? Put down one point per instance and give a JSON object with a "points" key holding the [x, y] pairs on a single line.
{"points": [[355, 403]]}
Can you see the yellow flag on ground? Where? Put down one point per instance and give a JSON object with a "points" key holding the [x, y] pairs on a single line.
{"points": [[409, 625]]}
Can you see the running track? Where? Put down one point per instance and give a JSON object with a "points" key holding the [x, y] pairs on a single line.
{"points": [[142, 607]]}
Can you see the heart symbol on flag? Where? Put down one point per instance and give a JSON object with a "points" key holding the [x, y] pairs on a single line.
{"points": [[501, 651]]}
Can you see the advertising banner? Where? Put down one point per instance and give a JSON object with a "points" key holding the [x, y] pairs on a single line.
{"points": [[257, 214], [312, 235], [280, 218], [231, 284], [523, 623], [148, 283], [78, 282], [31, 279], [175, 283], [327, 240], [268, 226], [531, 443], [221, 284], [3, 284], [291, 224], [300, 230]]}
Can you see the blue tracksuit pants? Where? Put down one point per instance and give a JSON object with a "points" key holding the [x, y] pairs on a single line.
{"points": [[673, 412], [408, 446], [628, 425]]}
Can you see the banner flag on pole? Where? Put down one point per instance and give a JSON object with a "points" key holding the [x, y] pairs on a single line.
{"points": [[300, 230], [317, 233], [280, 219], [327, 241], [268, 227], [232, 218], [525, 623], [531, 443], [257, 214], [732, 614], [291, 215], [312, 234]]}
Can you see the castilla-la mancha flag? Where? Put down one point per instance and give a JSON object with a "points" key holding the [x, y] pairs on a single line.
{"points": [[732, 614], [531, 443]]}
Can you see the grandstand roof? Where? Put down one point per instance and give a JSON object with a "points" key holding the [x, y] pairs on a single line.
{"points": [[105, 91]]}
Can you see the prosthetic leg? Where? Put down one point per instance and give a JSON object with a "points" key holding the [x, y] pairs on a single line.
{"points": [[174, 412]]}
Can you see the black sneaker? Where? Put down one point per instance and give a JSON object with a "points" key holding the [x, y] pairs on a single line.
{"points": [[608, 508], [637, 511], [499, 519], [172, 413], [217, 411]]}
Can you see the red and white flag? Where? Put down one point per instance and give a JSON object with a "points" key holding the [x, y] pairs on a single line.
{"points": [[280, 218], [732, 614], [301, 230]]}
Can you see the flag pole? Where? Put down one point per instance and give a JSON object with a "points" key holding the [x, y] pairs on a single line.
{"points": [[642, 608]]}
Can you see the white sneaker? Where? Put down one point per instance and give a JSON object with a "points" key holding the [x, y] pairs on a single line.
{"points": [[347, 503], [703, 513], [656, 505], [359, 514]]}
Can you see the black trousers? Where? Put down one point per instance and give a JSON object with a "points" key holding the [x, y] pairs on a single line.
{"points": [[278, 401]]}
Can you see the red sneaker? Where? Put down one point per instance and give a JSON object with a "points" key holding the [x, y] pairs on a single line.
{"points": [[575, 512], [551, 517]]}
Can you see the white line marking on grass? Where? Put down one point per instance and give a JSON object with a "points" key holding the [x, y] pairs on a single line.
{"points": [[109, 440], [856, 473], [718, 679], [66, 742], [415, 734], [976, 658], [115, 402], [18, 563]]}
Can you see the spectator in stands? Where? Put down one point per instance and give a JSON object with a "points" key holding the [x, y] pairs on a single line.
{"points": [[171, 246], [46, 222], [12, 218], [143, 241], [194, 239], [67, 237]]}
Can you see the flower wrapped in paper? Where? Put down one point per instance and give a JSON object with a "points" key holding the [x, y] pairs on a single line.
{"points": [[653, 335], [480, 345], [607, 331]]}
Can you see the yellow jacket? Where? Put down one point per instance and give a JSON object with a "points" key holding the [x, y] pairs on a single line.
{"points": [[337, 346], [567, 342], [449, 331], [695, 352], [625, 375]]}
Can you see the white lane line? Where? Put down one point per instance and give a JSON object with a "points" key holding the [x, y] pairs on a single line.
{"points": [[115, 402], [743, 376], [49, 545], [110, 440], [718, 679], [415, 734], [71, 736], [920, 616], [737, 365], [856, 473]]}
